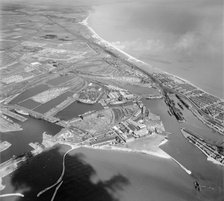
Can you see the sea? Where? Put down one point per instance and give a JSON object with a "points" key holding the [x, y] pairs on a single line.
{"points": [[106, 175], [184, 38], [109, 175]]}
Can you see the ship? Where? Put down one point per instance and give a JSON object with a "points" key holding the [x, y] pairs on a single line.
{"points": [[182, 101], [174, 110], [209, 150], [169, 112], [21, 112], [180, 106]]}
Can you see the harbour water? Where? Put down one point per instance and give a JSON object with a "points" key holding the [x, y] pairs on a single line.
{"points": [[76, 109], [187, 154], [106, 175], [32, 132], [96, 171], [29, 93]]}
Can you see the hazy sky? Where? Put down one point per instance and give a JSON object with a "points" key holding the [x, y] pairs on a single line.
{"points": [[186, 31], [186, 26], [167, 25]]}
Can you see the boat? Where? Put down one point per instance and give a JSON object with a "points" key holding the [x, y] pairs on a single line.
{"points": [[180, 106], [169, 112], [181, 120], [182, 101], [209, 150], [21, 112]]}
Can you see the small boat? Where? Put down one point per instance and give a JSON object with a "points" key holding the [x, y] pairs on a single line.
{"points": [[169, 113], [180, 106], [21, 112]]}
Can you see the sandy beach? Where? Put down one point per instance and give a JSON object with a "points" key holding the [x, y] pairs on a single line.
{"points": [[149, 68]]}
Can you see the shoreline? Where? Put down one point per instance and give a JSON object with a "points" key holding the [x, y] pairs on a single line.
{"points": [[157, 153], [210, 159], [106, 43], [132, 58], [161, 154]]}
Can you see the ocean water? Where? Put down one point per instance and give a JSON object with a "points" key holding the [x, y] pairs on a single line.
{"points": [[180, 37], [207, 173], [96, 175], [109, 175]]}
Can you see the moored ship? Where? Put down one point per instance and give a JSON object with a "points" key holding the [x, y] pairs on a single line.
{"points": [[209, 150], [21, 112]]}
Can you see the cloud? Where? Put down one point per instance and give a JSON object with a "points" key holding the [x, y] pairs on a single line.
{"points": [[189, 45], [119, 45], [184, 28], [186, 41], [139, 45]]}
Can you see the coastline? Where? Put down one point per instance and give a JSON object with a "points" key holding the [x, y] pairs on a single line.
{"points": [[159, 153], [214, 161], [108, 44], [133, 59], [61, 154]]}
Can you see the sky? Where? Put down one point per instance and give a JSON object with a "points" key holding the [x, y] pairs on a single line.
{"points": [[160, 26]]}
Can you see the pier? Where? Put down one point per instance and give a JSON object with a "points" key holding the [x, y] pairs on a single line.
{"points": [[35, 114], [13, 115]]}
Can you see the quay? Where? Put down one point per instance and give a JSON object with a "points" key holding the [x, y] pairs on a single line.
{"points": [[60, 107], [35, 114], [13, 115], [211, 151]]}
